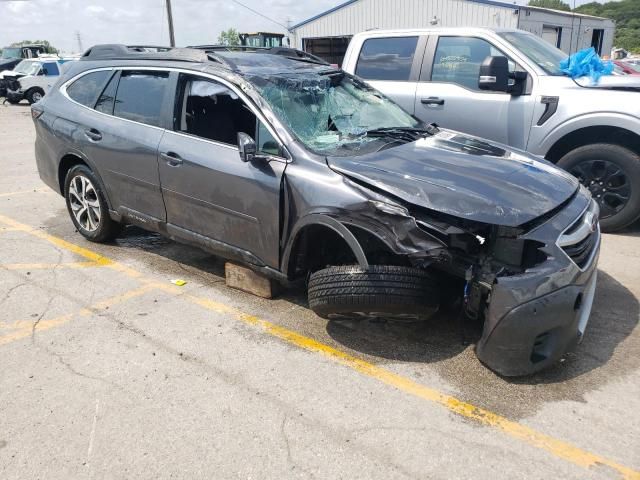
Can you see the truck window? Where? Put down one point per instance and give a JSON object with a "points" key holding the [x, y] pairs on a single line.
{"points": [[50, 69], [386, 58], [458, 59]]}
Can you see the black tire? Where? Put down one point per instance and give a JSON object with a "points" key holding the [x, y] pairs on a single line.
{"points": [[32, 95], [105, 229], [13, 101], [594, 165], [379, 291]]}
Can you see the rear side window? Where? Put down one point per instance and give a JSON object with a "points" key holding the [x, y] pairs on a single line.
{"points": [[86, 89], [140, 95], [387, 58]]}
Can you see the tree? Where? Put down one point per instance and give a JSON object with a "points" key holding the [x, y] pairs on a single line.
{"points": [[554, 4], [626, 14], [229, 37], [49, 48]]}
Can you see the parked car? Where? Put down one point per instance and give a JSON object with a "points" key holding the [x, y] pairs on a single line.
{"points": [[12, 56], [626, 67], [31, 79], [507, 86], [300, 170]]}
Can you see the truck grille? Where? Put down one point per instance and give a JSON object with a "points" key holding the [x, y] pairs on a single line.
{"points": [[579, 240]]}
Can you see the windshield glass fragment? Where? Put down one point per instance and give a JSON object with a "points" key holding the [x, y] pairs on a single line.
{"points": [[336, 114], [11, 53]]}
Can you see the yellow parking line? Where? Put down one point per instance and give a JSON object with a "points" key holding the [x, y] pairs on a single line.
{"points": [[47, 266], [528, 435], [83, 252], [24, 328]]}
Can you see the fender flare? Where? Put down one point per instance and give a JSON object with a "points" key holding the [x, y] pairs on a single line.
{"points": [[328, 222], [91, 165], [599, 119]]}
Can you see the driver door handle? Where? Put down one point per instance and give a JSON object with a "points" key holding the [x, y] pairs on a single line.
{"points": [[93, 134], [172, 159], [432, 101]]}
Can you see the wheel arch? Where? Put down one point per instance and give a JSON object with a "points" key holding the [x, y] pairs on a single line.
{"points": [[610, 134], [70, 160], [316, 225]]}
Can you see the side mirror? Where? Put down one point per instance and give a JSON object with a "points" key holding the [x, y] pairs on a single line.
{"points": [[43, 72], [247, 147], [494, 74]]}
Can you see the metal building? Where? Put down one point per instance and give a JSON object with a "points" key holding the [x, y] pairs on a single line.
{"points": [[327, 34]]}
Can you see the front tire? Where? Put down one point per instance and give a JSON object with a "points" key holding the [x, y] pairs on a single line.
{"points": [[87, 206], [612, 174], [379, 291], [34, 95]]}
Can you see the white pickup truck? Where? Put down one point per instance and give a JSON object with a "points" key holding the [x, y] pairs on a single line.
{"points": [[506, 85]]}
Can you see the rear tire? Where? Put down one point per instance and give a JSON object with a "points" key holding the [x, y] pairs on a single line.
{"points": [[87, 206], [612, 174], [380, 291]]}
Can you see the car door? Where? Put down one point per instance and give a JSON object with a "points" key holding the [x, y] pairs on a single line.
{"points": [[119, 130], [448, 92], [208, 190], [391, 64]]}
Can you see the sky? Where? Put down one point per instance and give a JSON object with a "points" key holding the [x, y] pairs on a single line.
{"points": [[144, 21]]}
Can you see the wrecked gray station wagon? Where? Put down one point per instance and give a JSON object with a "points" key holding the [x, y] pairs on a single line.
{"points": [[302, 172]]}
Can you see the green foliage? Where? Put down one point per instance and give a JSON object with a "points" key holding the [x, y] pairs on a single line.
{"points": [[229, 37], [626, 14], [555, 4], [50, 48]]}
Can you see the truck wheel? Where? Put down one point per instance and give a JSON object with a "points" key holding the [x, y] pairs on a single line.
{"points": [[13, 101], [612, 174], [379, 291], [34, 95], [87, 206]]}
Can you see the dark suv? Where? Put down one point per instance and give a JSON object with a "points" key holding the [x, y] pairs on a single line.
{"points": [[303, 172]]}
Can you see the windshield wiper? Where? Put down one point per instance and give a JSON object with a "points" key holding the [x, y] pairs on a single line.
{"points": [[410, 134]]}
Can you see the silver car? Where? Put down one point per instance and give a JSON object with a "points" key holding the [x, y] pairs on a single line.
{"points": [[506, 85]]}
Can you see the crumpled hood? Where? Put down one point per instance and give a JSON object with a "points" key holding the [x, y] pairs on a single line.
{"points": [[10, 74], [611, 82], [465, 177]]}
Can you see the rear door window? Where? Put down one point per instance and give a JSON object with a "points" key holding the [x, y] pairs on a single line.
{"points": [[86, 89], [140, 96], [387, 58]]}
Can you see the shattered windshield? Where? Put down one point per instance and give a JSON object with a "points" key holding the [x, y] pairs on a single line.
{"points": [[334, 113], [11, 53]]}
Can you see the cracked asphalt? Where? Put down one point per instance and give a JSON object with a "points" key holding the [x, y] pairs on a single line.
{"points": [[107, 370]]}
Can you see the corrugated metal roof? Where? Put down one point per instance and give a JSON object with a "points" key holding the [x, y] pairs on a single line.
{"points": [[349, 2]]}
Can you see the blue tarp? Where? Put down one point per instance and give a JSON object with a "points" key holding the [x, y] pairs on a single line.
{"points": [[586, 63]]}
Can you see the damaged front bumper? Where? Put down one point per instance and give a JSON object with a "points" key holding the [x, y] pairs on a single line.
{"points": [[14, 95], [535, 317]]}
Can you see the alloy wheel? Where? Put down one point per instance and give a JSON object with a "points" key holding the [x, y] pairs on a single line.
{"points": [[607, 182], [84, 202]]}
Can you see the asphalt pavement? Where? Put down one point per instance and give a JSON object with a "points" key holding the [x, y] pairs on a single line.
{"points": [[109, 370]]}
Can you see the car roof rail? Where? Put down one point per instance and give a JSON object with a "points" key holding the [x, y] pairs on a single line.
{"points": [[291, 53], [145, 52]]}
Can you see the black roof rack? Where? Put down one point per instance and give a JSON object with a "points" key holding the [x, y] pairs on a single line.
{"points": [[144, 52], [291, 53]]}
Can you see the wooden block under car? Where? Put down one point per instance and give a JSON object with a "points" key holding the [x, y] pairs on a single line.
{"points": [[247, 280]]}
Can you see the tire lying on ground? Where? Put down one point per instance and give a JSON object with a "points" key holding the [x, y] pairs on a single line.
{"points": [[379, 291]]}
